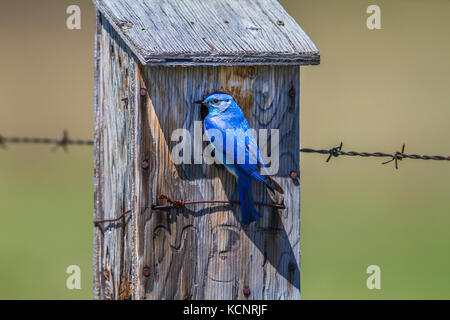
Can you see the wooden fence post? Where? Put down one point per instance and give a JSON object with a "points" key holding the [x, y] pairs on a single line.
{"points": [[153, 60]]}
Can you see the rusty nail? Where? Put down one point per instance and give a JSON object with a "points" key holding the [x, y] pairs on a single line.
{"points": [[292, 93], [146, 272], [294, 175], [143, 92], [291, 266], [246, 291], [145, 164]]}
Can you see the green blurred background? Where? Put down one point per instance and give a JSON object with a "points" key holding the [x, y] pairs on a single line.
{"points": [[374, 90]]}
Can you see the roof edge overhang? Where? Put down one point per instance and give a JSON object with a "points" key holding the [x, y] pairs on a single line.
{"points": [[210, 58], [241, 60]]}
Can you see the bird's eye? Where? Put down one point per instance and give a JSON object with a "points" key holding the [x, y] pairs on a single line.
{"points": [[216, 101]]}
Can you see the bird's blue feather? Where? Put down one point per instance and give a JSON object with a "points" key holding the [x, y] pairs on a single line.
{"points": [[225, 114]]}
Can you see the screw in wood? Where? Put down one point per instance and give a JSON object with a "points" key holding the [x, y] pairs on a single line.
{"points": [[246, 291], [145, 164], [292, 93], [291, 266], [146, 272], [294, 175]]}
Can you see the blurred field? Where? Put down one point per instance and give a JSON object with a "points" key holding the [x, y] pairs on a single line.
{"points": [[374, 90]]}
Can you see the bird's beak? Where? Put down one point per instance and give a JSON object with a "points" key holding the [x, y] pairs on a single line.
{"points": [[199, 102]]}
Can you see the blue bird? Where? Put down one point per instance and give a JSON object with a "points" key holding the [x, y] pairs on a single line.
{"points": [[225, 116]]}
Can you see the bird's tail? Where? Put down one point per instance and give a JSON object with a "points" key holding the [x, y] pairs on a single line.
{"points": [[248, 211]]}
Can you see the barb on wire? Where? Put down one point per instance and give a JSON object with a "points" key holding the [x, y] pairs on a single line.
{"points": [[178, 204], [395, 157], [62, 141], [2, 142], [335, 152]]}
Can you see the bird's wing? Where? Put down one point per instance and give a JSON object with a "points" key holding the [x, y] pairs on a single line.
{"points": [[253, 159], [254, 152], [247, 143]]}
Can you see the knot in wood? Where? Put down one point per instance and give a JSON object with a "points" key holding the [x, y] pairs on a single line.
{"points": [[124, 24]]}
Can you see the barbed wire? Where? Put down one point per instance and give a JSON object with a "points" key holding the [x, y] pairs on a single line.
{"points": [[394, 157], [64, 141], [179, 204]]}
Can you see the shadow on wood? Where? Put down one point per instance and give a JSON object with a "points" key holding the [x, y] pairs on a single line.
{"points": [[230, 256]]}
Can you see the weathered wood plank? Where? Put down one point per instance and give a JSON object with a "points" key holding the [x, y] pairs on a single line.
{"points": [[203, 251], [114, 164], [213, 32]]}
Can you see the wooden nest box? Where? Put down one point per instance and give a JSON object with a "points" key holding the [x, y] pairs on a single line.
{"points": [[153, 60]]}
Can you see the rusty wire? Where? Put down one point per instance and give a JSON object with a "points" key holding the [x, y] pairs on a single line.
{"points": [[178, 204], [113, 220], [394, 157]]}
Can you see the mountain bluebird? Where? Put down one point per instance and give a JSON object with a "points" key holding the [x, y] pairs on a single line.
{"points": [[226, 126]]}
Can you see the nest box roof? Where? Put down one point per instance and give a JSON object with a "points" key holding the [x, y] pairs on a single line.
{"points": [[210, 32]]}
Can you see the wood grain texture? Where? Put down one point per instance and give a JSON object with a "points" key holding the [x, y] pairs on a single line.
{"points": [[212, 32], [114, 164], [201, 251]]}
